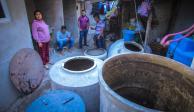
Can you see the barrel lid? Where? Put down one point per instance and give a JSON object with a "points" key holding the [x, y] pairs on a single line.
{"points": [[26, 70], [69, 78], [95, 52], [57, 101]]}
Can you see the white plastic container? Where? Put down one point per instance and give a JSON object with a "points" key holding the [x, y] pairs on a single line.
{"points": [[120, 47], [96, 53], [79, 74]]}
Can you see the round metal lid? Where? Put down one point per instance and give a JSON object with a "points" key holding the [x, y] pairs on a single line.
{"points": [[57, 101]]}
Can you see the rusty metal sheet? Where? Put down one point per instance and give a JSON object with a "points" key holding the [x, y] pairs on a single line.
{"points": [[26, 70]]}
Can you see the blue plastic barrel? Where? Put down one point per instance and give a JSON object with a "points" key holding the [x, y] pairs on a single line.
{"points": [[172, 46], [57, 101], [182, 51], [184, 57], [128, 35]]}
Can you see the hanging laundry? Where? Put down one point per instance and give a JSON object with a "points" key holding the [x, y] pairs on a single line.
{"points": [[144, 8]]}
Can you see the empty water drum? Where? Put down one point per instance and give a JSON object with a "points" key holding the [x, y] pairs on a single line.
{"points": [[128, 35], [182, 51], [57, 101], [145, 83], [132, 47], [96, 53], [121, 47], [79, 74]]}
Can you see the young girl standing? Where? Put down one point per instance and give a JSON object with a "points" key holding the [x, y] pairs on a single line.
{"points": [[40, 32]]}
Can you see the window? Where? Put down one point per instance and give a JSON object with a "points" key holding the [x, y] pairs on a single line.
{"points": [[4, 13]]}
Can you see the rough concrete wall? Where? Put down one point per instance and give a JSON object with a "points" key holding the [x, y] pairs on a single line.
{"points": [[14, 36], [125, 13], [185, 17], [78, 4], [70, 16], [30, 8], [88, 9], [163, 13], [52, 11]]}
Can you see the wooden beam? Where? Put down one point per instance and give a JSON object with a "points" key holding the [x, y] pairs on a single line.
{"points": [[148, 29]]}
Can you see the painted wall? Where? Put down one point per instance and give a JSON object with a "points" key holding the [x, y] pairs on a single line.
{"points": [[185, 16], [52, 12], [163, 14], [183, 19], [70, 16], [14, 36], [30, 8]]}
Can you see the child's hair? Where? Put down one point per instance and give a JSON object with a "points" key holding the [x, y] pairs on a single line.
{"points": [[37, 11], [63, 27]]}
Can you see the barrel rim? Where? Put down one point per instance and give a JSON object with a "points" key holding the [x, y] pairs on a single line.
{"points": [[86, 54], [59, 76], [78, 57], [181, 68], [136, 44]]}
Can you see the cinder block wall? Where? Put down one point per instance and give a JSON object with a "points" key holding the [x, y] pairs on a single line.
{"points": [[14, 36]]}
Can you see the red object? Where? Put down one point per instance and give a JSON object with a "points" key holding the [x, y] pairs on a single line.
{"points": [[44, 52]]}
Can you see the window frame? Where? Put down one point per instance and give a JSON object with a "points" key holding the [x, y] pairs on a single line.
{"points": [[6, 19]]}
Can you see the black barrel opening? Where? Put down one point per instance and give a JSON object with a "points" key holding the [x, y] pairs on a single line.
{"points": [[150, 85], [79, 64], [132, 47]]}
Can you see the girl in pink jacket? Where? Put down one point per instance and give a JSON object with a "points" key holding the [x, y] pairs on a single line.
{"points": [[40, 32]]}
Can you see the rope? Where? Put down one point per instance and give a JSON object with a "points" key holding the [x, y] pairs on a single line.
{"points": [[164, 41]]}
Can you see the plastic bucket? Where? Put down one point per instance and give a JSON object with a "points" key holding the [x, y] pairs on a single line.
{"points": [[128, 35]]}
